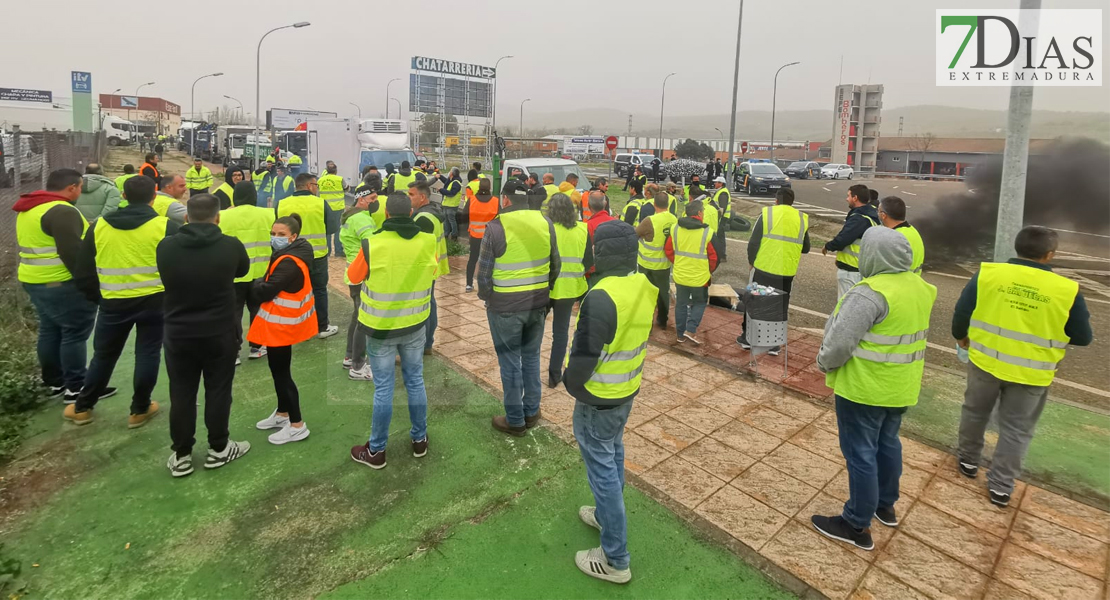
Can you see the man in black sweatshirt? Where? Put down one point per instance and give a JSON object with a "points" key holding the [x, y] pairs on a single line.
{"points": [[603, 375], [846, 244], [198, 267]]}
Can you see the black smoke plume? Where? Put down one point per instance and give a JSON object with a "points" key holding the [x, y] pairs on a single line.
{"points": [[1067, 187]]}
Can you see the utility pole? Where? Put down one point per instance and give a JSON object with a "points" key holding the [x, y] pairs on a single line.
{"points": [[735, 89], [1015, 160]]}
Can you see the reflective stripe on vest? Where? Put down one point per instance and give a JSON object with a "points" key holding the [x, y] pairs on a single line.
{"points": [[481, 213], [717, 200], [290, 318], [620, 366], [1017, 328], [784, 231], [526, 263], [126, 259], [39, 261], [313, 228], [397, 292], [887, 365], [198, 180], [251, 226], [572, 242], [653, 255], [850, 254], [691, 258]]}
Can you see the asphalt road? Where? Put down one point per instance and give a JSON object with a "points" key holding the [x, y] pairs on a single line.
{"points": [[814, 297]]}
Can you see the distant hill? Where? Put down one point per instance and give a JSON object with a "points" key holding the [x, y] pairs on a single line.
{"points": [[817, 125]]}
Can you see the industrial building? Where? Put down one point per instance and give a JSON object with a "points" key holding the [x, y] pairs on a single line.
{"points": [[152, 115], [944, 156]]}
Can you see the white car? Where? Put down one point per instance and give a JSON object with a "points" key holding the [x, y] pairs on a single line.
{"points": [[832, 171]]}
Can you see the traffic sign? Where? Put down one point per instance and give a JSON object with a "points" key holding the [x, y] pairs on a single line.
{"points": [[611, 142], [743, 147]]}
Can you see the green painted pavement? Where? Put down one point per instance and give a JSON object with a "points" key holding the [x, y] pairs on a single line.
{"points": [[482, 515], [1068, 451]]}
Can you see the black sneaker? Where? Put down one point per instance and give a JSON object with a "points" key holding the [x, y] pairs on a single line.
{"points": [[54, 391], [775, 351], [839, 529], [552, 381], [71, 397], [887, 517], [419, 448], [967, 469], [999, 499], [743, 343]]}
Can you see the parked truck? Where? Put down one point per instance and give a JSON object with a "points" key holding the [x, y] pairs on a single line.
{"points": [[354, 144]]}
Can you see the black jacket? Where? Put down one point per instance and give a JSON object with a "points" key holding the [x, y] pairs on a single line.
{"points": [[198, 268], [132, 216], [854, 227], [615, 247], [287, 277]]}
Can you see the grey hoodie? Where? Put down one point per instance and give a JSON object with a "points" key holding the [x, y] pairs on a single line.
{"points": [[99, 197], [882, 250]]}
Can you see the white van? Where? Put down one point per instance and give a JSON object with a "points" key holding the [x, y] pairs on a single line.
{"points": [[31, 162], [558, 167]]}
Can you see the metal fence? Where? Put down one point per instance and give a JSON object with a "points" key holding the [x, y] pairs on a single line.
{"points": [[26, 159]]}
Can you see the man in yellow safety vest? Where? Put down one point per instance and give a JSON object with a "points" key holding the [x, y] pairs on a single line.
{"points": [[315, 229], [118, 267], [892, 213], [861, 216], [873, 356], [780, 236], [651, 257], [333, 191], [198, 178], [1015, 319], [518, 264]]}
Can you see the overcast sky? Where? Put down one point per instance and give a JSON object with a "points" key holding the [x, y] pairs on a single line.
{"points": [[570, 54]]}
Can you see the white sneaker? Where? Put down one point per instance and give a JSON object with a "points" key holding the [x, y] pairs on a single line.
{"points": [[232, 451], [347, 362], [179, 466], [588, 514], [289, 434], [273, 422], [593, 563], [362, 374], [238, 361], [257, 353], [327, 333]]}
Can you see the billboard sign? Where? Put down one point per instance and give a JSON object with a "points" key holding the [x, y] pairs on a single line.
{"points": [[82, 82], [129, 102], [447, 95], [584, 145], [21, 95], [842, 132], [285, 118], [447, 67]]}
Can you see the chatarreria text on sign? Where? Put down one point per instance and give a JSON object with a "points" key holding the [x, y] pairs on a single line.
{"points": [[995, 47], [447, 67]]}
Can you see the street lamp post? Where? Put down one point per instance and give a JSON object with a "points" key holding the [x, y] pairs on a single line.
{"points": [[735, 89], [137, 97], [398, 106], [494, 107], [359, 109], [774, 99], [387, 98], [193, 111], [258, 80], [241, 109], [662, 99], [522, 125]]}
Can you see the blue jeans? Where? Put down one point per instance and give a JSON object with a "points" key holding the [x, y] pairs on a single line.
{"points": [[517, 337], [689, 306], [600, 435], [382, 355], [433, 321], [870, 444], [451, 223], [66, 319]]}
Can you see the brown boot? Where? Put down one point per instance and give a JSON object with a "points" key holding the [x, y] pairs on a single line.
{"points": [[136, 421], [530, 422], [501, 424], [79, 418]]}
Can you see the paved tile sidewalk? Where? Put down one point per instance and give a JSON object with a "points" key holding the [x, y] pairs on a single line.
{"points": [[756, 459]]}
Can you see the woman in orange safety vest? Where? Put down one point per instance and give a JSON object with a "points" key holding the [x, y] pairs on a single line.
{"points": [[480, 209], [287, 316]]}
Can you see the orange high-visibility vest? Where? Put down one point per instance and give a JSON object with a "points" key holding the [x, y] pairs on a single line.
{"points": [[289, 318], [481, 213], [157, 175]]}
